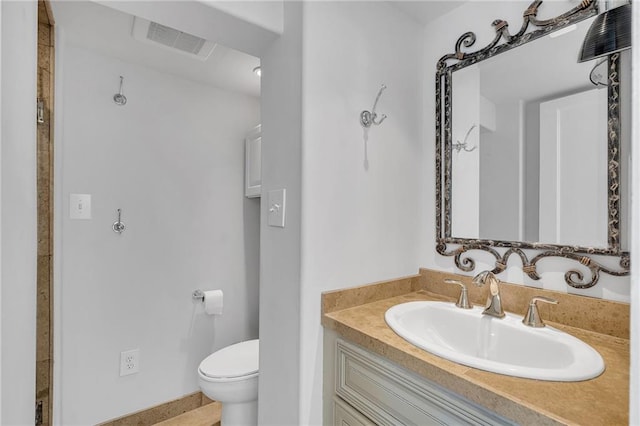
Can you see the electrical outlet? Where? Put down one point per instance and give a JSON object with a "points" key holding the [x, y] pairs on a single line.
{"points": [[129, 362]]}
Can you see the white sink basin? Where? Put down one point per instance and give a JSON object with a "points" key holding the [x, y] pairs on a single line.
{"points": [[504, 346]]}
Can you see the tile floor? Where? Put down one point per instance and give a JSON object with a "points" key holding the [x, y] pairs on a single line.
{"points": [[207, 415]]}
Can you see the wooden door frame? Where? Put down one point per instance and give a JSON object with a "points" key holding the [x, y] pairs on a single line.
{"points": [[44, 309]]}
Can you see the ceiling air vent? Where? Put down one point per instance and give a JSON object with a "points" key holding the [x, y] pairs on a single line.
{"points": [[158, 34]]}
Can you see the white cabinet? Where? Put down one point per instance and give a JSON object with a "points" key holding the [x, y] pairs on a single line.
{"points": [[253, 163], [372, 390]]}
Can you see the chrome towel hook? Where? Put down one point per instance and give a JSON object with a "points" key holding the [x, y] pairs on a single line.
{"points": [[119, 98], [118, 226], [460, 146], [368, 118]]}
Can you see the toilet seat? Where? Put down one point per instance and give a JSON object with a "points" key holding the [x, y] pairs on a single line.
{"points": [[239, 361]]}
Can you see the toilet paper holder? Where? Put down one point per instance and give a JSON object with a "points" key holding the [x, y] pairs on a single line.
{"points": [[198, 295], [212, 300]]}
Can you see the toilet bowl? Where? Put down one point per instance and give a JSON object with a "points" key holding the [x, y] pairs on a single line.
{"points": [[230, 376]]}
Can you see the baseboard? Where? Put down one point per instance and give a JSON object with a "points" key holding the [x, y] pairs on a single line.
{"points": [[161, 412]]}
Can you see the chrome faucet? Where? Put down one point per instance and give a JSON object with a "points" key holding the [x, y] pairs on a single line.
{"points": [[463, 300], [532, 318], [494, 303]]}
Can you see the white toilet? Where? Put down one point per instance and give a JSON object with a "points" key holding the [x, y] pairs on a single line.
{"points": [[230, 376]]}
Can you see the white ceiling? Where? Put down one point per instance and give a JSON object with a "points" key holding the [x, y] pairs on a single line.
{"points": [[425, 11], [108, 31], [100, 28]]}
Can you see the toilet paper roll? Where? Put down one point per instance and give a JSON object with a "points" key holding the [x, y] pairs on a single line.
{"points": [[213, 302]]}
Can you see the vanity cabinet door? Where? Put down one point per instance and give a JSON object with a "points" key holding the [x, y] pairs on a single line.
{"points": [[389, 395], [345, 415]]}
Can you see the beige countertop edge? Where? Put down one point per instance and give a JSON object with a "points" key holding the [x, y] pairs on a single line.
{"points": [[365, 326]]}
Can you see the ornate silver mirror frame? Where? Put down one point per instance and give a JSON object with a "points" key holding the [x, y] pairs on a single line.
{"points": [[574, 278]]}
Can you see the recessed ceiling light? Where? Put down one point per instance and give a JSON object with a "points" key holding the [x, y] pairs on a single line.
{"points": [[257, 71]]}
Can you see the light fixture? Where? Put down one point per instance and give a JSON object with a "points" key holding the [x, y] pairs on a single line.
{"points": [[257, 71], [610, 32]]}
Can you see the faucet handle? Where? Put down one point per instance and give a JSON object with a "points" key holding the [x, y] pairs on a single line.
{"points": [[532, 318], [463, 300]]}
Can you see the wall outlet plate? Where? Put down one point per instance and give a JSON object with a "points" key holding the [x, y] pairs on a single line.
{"points": [[80, 206], [129, 362]]}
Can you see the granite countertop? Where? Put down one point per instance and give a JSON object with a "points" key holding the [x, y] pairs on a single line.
{"points": [[599, 401]]}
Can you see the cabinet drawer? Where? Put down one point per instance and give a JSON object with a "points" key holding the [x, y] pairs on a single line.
{"points": [[345, 415], [390, 395]]}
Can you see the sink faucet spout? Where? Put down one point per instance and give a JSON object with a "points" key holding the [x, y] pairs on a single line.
{"points": [[494, 302]]}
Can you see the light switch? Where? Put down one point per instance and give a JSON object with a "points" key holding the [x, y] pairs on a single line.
{"points": [[277, 202], [80, 206]]}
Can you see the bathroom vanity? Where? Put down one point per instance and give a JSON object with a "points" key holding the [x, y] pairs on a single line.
{"points": [[368, 386], [373, 376], [498, 124]]}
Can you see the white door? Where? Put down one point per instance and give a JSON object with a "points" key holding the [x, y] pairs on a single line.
{"points": [[573, 169]]}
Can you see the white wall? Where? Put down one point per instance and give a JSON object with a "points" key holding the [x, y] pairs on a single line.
{"points": [[1, 282], [18, 211], [173, 160], [465, 187], [440, 37], [634, 395], [531, 172], [281, 96], [265, 14], [500, 175], [362, 190]]}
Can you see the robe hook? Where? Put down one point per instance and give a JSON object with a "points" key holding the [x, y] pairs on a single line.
{"points": [[119, 98], [367, 118], [118, 226], [459, 146]]}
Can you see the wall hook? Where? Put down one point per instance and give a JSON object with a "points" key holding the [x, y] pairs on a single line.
{"points": [[118, 226], [119, 98], [368, 118], [598, 74], [459, 146]]}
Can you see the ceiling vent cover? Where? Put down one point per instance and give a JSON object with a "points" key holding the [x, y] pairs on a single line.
{"points": [[158, 34]]}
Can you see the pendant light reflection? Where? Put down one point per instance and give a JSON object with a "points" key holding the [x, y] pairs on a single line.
{"points": [[609, 33]]}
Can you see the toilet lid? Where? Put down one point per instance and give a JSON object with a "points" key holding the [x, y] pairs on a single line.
{"points": [[236, 360]]}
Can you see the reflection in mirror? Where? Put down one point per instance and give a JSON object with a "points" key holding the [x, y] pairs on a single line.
{"points": [[540, 173]]}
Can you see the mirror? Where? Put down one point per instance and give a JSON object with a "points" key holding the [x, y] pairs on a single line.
{"points": [[528, 145]]}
